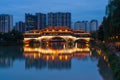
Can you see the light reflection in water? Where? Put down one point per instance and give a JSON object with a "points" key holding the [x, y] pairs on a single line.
{"points": [[53, 58], [103, 55], [55, 53], [28, 63]]}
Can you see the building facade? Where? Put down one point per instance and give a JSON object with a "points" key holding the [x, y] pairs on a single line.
{"points": [[6, 23], [93, 25], [41, 20], [59, 19], [20, 26], [30, 22], [81, 25], [37, 21]]}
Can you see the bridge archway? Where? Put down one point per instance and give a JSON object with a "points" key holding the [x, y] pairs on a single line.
{"points": [[33, 43], [56, 43], [30, 40], [81, 43], [59, 39], [70, 43]]}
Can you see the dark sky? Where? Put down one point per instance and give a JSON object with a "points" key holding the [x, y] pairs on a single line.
{"points": [[80, 9]]}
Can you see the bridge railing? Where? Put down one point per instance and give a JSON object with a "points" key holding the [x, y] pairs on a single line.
{"points": [[35, 35]]}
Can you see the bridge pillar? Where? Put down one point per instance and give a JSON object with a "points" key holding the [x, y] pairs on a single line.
{"points": [[76, 45], [64, 46]]}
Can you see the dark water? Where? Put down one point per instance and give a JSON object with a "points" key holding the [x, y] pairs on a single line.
{"points": [[24, 63]]}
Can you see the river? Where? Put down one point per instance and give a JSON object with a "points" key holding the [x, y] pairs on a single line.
{"points": [[26, 63]]}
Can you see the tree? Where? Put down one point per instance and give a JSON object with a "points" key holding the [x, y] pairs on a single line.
{"points": [[100, 33], [12, 36]]}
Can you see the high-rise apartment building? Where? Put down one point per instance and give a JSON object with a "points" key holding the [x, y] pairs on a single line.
{"points": [[20, 26], [6, 23], [81, 25], [77, 25], [41, 20], [37, 21], [30, 22], [59, 19], [93, 25]]}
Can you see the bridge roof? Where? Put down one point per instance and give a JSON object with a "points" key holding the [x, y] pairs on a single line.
{"points": [[58, 28]]}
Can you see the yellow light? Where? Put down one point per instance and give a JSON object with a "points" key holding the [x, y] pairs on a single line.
{"points": [[26, 45], [47, 57], [60, 57], [99, 52], [87, 45], [66, 57], [39, 55], [34, 56], [66, 30], [53, 57], [47, 44], [60, 30], [104, 57], [53, 30]]}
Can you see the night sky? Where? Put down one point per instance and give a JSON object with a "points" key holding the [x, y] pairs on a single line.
{"points": [[80, 9]]}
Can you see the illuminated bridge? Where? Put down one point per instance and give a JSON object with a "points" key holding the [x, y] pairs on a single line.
{"points": [[56, 34]]}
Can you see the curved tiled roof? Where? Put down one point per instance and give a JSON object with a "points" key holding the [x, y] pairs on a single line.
{"points": [[63, 28], [57, 31], [56, 28]]}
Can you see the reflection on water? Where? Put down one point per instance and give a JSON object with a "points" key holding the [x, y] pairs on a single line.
{"points": [[53, 57], [5, 62], [41, 63], [73, 63], [8, 54]]}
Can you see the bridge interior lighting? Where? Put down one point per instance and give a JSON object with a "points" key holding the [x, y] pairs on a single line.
{"points": [[60, 30], [47, 57], [66, 57], [66, 30], [60, 57], [53, 57], [53, 30]]}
